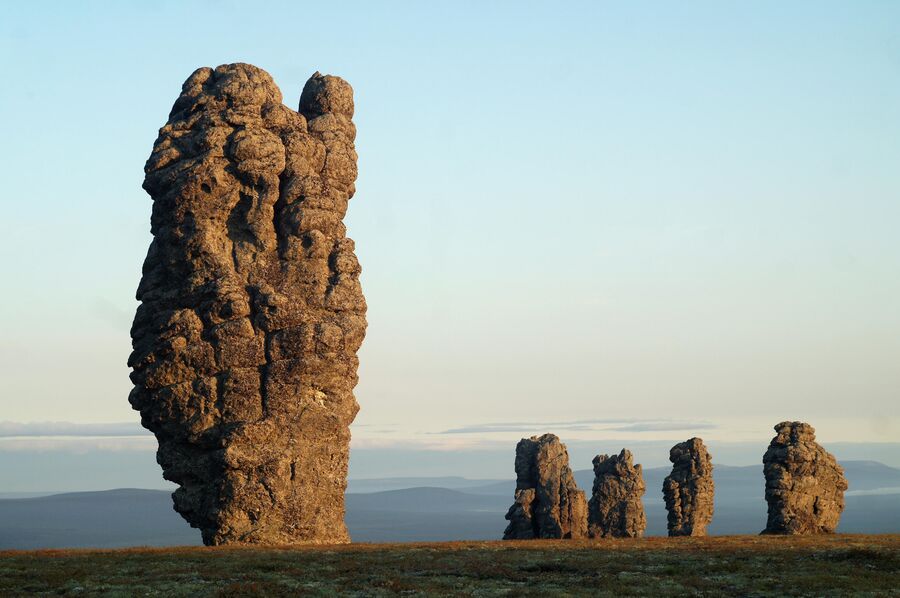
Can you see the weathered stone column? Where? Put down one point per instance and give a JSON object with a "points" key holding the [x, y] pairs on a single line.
{"points": [[804, 483], [616, 509], [251, 309], [689, 490], [548, 503]]}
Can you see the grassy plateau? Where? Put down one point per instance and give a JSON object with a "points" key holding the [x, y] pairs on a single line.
{"points": [[837, 565]]}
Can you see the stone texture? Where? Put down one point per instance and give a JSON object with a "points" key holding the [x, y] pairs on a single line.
{"points": [[804, 483], [251, 311], [616, 509], [689, 490], [548, 503]]}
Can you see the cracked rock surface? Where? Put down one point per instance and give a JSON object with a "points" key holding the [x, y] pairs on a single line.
{"points": [[689, 490], [548, 503], [804, 483], [616, 508], [251, 311]]}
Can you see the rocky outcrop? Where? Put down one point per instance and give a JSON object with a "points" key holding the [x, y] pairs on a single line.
{"points": [[251, 311], [548, 503], [804, 483], [689, 489], [616, 509]]}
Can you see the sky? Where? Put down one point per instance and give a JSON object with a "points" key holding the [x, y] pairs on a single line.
{"points": [[623, 223]]}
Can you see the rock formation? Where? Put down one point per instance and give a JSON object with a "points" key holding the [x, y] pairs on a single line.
{"points": [[689, 490], [548, 503], [804, 483], [616, 509], [251, 310]]}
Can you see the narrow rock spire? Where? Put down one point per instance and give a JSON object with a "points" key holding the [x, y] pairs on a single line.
{"points": [[689, 489]]}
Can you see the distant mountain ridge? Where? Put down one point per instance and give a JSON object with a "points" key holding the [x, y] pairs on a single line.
{"points": [[399, 483], [423, 511], [740, 479]]}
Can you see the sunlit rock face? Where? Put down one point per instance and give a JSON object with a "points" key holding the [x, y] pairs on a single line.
{"points": [[804, 483], [689, 490], [548, 503], [616, 508], [251, 311]]}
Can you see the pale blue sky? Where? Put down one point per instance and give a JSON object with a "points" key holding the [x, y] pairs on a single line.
{"points": [[678, 212]]}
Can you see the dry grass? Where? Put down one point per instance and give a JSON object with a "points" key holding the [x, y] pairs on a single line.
{"points": [[839, 565]]}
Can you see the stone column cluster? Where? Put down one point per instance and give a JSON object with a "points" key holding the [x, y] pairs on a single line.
{"points": [[804, 490], [251, 315]]}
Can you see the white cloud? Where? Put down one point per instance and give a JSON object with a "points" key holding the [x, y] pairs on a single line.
{"points": [[10, 429], [585, 425], [72, 437], [78, 444]]}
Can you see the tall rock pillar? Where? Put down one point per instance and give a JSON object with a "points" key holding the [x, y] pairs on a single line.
{"points": [[251, 311], [616, 508], [689, 489], [804, 483], [548, 503]]}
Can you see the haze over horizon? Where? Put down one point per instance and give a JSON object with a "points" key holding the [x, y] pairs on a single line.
{"points": [[624, 224]]}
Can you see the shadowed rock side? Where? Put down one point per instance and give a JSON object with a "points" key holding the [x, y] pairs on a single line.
{"points": [[616, 509], [251, 310], [689, 490], [548, 503], [804, 483]]}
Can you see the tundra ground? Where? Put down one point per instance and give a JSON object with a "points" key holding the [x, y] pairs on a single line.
{"points": [[838, 565]]}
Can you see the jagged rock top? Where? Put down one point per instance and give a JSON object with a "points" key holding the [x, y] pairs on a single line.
{"points": [[692, 454], [620, 466], [325, 94], [788, 433]]}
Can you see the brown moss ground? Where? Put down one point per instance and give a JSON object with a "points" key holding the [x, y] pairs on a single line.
{"points": [[838, 565]]}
